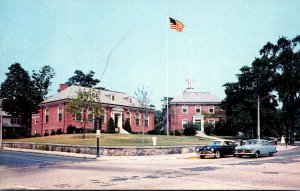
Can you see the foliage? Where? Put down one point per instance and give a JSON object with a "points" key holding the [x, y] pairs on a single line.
{"points": [[158, 117], [208, 128], [91, 130], [152, 132], [83, 102], [52, 132], [177, 133], [58, 131], [127, 126], [189, 129], [71, 129], [46, 133], [111, 127], [82, 79]]}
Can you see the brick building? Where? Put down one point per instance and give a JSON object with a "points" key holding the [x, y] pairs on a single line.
{"points": [[194, 107], [117, 105]]}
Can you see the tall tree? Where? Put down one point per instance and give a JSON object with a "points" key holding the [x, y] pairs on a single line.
{"points": [[284, 57], [42, 81], [82, 79], [84, 102], [17, 92], [142, 96]]}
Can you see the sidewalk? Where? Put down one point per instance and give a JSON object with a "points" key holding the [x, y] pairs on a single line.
{"points": [[160, 157]]}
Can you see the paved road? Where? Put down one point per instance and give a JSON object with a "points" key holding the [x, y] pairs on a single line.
{"points": [[36, 171]]}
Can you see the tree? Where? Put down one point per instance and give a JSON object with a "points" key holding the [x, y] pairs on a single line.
{"points": [[111, 126], [142, 95], [83, 102], [17, 92], [189, 129], [284, 59], [42, 81], [82, 79]]}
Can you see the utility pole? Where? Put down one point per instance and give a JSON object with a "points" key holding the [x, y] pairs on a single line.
{"points": [[258, 118]]}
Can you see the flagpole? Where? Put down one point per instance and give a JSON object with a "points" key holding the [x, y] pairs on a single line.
{"points": [[168, 81]]}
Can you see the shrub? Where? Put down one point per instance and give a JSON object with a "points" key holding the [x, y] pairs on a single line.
{"points": [[36, 135], [152, 132], [59, 132], [79, 130], [127, 126], [52, 132], [46, 133], [71, 129], [91, 130], [189, 129], [111, 126], [177, 132], [208, 128]]}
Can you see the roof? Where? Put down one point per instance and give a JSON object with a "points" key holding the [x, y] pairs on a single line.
{"points": [[196, 97], [122, 99]]}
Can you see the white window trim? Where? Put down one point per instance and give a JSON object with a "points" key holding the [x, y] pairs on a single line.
{"points": [[137, 118], [182, 124], [199, 108], [213, 107], [184, 107], [46, 115], [147, 121], [58, 113]]}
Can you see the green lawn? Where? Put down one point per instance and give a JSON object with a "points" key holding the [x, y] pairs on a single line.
{"points": [[115, 140]]}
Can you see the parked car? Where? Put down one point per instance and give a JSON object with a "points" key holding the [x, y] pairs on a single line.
{"points": [[217, 149], [255, 148]]}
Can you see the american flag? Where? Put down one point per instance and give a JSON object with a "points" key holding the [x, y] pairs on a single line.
{"points": [[176, 25]]}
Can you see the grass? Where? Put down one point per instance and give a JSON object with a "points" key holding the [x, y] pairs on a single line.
{"points": [[115, 140]]}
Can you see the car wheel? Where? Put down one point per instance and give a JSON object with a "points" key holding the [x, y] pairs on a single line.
{"points": [[240, 156], [270, 154], [256, 154], [217, 154], [202, 157]]}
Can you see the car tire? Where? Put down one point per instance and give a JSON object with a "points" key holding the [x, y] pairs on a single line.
{"points": [[217, 155], [202, 157], [256, 154], [270, 154], [240, 156]]}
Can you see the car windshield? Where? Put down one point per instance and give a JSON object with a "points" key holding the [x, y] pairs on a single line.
{"points": [[251, 142], [215, 143]]}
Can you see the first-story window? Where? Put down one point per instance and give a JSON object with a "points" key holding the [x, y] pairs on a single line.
{"points": [[127, 117], [184, 123], [146, 121], [211, 121], [59, 113], [78, 117], [47, 116], [90, 115], [137, 119]]}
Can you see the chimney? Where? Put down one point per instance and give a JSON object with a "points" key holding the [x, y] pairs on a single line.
{"points": [[63, 87]]}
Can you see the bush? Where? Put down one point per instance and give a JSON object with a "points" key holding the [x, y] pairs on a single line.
{"points": [[58, 132], [208, 128], [37, 135], [52, 132], [111, 126], [71, 129], [46, 133], [91, 130], [177, 133], [79, 130], [152, 132], [127, 126], [189, 129]]}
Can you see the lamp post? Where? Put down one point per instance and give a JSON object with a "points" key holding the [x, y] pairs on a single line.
{"points": [[1, 125], [258, 118], [98, 137]]}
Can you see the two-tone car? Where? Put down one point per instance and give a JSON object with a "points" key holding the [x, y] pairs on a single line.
{"points": [[255, 148], [217, 149]]}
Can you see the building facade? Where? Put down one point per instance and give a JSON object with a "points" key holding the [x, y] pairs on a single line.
{"points": [[119, 106], [192, 107]]}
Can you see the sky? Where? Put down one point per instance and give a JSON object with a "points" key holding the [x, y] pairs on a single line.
{"points": [[219, 38]]}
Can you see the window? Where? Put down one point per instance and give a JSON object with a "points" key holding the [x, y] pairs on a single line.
{"points": [[184, 109], [112, 98], [127, 117], [137, 119], [90, 115], [130, 100], [146, 121], [211, 109], [59, 113], [184, 122], [36, 120], [78, 117], [47, 116], [198, 109]]}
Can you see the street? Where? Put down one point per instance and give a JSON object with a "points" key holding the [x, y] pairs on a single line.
{"points": [[37, 171]]}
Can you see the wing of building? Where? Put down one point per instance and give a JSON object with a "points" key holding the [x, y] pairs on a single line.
{"points": [[119, 106], [192, 106]]}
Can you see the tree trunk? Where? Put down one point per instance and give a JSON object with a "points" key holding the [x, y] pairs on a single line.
{"points": [[84, 123]]}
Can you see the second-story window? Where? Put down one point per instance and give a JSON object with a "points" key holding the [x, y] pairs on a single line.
{"points": [[184, 109], [198, 109], [211, 109]]}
